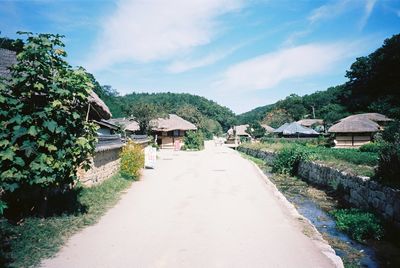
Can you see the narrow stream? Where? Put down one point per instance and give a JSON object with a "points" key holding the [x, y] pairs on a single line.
{"points": [[295, 191], [326, 224]]}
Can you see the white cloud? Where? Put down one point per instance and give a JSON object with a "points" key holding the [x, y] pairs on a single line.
{"points": [[369, 6], [332, 10], [179, 66], [149, 30], [328, 11], [268, 70]]}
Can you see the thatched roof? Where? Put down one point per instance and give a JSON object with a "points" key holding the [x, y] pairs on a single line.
{"points": [[267, 128], [295, 129], [241, 130], [127, 124], [173, 122], [355, 125], [99, 106], [360, 123], [376, 117], [310, 122]]}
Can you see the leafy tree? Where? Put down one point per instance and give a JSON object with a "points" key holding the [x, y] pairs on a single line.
{"points": [[193, 140], [256, 130], [44, 137], [208, 126], [373, 80], [191, 114], [333, 112], [389, 156], [143, 113]]}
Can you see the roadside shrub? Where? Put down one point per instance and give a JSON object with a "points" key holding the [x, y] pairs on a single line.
{"points": [[288, 159], [358, 224], [373, 147], [193, 140], [388, 169], [132, 160], [44, 134]]}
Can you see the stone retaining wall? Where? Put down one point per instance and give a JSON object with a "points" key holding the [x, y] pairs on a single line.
{"points": [[359, 191], [105, 163]]}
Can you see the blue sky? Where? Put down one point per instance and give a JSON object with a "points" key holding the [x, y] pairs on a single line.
{"points": [[242, 54]]}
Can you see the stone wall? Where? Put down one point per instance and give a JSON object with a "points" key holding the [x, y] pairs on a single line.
{"points": [[359, 191], [105, 163]]}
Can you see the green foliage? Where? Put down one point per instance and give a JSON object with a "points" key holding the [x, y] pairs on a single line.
{"points": [[288, 159], [389, 157], [44, 137], [378, 70], [132, 160], [143, 113], [193, 140], [358, 224], [373, 147], [350, 160], [256, 130], [171, 103], [209, 127], [39, 238]]}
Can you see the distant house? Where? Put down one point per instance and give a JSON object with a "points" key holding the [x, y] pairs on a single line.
{"points": [[129, 125], [267, 128], [310, 122], [356, 130], [236, 133], [170, 131], [295, 130]]}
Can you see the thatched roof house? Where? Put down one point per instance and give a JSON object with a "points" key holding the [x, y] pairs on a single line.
{"points": [[171, 130], [356, 130], [355, 125], [172, 122], [310, 122], [375, 117], [239, 131], [267, 128]]}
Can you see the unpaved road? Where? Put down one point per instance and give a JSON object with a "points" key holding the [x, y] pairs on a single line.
{"points": [[198, 209]]}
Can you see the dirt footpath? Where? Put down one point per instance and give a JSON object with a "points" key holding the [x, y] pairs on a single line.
{"points": [[199, 209]]}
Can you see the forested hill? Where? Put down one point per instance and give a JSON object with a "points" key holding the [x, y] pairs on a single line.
{"points": [[192, 107], [373, 86]]}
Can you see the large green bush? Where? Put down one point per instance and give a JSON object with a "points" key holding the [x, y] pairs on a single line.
{"points": [[44, 136], [288, 159], [193, 140], [372, 147], [132, 160], [358, 224]]}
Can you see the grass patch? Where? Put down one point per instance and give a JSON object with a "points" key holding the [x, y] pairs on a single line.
{"points": [[358, 224], [349, 160], [25, 245]]}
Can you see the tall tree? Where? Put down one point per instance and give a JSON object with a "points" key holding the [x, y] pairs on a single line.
{"points": [[144, 113]]}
